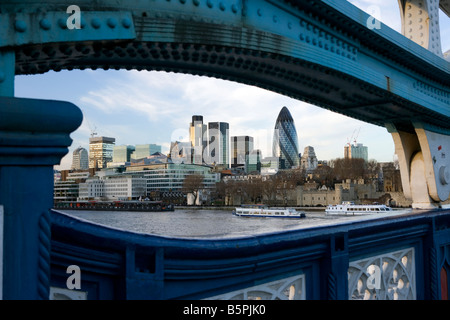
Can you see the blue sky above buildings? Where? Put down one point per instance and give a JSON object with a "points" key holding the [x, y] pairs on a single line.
{"points": [[157, 107]]}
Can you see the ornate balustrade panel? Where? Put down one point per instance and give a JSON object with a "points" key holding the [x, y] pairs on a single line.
{"points": [[292, 288], [389, 276]]}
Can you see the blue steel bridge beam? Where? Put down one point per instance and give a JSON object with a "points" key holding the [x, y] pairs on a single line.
{"points": [[296, 48]]}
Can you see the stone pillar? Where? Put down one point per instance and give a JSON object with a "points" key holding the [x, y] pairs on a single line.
{"points": [[34, 136], [424, 159]]}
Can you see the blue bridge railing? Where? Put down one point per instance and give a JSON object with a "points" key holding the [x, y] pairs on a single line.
{"points": [[399, 257]]}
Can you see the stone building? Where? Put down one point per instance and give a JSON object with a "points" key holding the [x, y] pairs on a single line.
{"points": [[308, 161]]}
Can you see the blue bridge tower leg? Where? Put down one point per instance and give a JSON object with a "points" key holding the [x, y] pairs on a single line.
{"points": [[34, 136]]}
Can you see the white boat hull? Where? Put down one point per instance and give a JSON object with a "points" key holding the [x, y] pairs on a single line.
{"points": [[268, 213], [356, 210]]}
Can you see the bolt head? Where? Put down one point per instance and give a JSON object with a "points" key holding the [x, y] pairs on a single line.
{"points": [[444, 175]]}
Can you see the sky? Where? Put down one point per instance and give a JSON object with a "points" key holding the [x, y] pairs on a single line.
{"points": [[140, 107]]}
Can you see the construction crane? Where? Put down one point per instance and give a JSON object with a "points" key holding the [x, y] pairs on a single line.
{"points": [[353, 137], [356, 137], [349, 140], [93, 130]]}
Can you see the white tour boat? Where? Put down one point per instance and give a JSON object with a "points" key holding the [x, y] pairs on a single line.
{"points": [[264, 211], [350, 209]]}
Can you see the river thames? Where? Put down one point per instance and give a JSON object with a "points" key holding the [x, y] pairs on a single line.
{"points": [[202, 223]]}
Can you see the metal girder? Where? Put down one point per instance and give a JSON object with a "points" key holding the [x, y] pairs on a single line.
{"points": [[321, 52], [420, 23], [47, 27]]}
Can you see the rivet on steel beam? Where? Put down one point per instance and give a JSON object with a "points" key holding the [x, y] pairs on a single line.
{"points": [[126, 23], [62, 23], [20, 25], [96, 23], [45, 24], [112, 23]]}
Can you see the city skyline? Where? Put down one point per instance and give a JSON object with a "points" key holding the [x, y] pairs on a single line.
{"points": [[154, 107]]}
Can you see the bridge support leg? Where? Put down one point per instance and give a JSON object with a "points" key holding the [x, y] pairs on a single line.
{"points": [[34, 136], [420, 23], [424, 158]]}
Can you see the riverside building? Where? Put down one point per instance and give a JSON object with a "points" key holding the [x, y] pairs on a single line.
{"points": [[169, 177]]}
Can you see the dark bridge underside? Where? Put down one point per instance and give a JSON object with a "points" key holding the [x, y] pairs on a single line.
{"points": [[292, 77], [307, 50]]}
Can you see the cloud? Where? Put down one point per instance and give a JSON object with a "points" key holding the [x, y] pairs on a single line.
{"points": [[169, 100]]}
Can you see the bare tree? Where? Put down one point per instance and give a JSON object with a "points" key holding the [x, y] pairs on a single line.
{"points": [[269, 189], [346, 168], [192, 184]]}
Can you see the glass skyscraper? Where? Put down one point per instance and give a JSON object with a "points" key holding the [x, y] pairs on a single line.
{"points": [[219, 145], [285, 141], [198, 138]]}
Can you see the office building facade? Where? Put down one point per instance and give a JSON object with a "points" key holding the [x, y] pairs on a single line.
{"points": [[198, 138], [100, 152], [218, 144], [356, 151], [285, 141], [145, 150], [254, 162], [122, 153], [80, 159], [241, 146]]}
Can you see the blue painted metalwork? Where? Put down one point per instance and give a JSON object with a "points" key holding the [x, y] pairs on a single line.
{"points": [[320, 52], [298, 48], [124, 265], [34, 136]]}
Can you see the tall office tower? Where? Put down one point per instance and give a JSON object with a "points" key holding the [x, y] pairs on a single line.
{"points": [[285, 141], [254, 162], [145, 150], [218, 146], [122, 153], [198, 138], [347, 151], [309, 161], [100, 151], [241, 146], [356, 151], [80, 160]]}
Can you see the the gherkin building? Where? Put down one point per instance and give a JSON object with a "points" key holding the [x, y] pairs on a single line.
{"points": [[285, 141]]}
